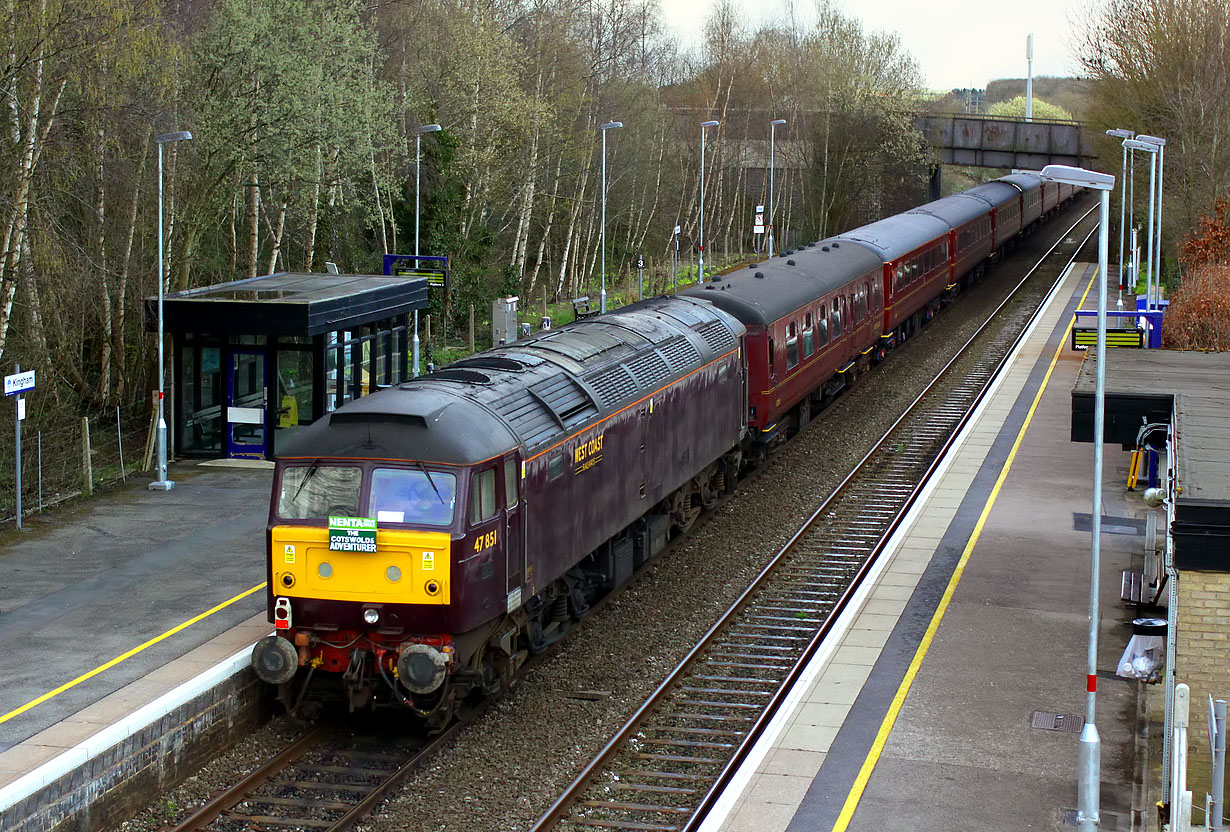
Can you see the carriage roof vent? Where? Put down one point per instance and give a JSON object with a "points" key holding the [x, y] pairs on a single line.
{"points": [[836, 245], [824, 248], [760, 275], [789, 262]]}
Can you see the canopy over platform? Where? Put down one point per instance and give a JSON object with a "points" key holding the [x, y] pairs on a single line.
{"points": [[1191, 392], [289, 304]]}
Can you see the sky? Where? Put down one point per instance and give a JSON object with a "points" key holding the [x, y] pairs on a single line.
{"points": [[987, 43]]}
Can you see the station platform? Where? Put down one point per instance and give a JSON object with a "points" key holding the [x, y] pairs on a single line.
{"points": [[116, 604], [954, 693]]}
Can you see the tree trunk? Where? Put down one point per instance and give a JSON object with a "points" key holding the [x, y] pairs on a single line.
{"points": [[121, 297], [313, 217], [254, 220], [100, 255]]}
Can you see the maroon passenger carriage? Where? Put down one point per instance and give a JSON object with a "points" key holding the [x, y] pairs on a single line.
{"points": [[508, 491], [811, 316]]}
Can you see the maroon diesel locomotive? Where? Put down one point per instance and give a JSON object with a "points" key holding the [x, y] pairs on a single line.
{"points": [[425, 539]]}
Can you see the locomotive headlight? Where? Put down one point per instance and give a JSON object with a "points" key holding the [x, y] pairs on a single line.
{"points": [[371, 616]]}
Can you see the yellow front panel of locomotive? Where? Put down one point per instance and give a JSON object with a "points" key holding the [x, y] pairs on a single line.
{"points": [[408, 567]]}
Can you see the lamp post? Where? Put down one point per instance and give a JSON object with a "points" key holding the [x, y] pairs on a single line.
{"points": [[700, 271], [772, 126], [162, 483], [1151, 149], [418, 157], [1160, 144], [1122, 134], [1029, 78], [1090, 744], [610, 125]]}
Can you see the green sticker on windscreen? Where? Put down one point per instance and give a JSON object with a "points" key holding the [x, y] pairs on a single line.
{"points": [[352, 534]]}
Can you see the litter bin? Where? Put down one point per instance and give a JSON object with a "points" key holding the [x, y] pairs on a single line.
{"points": [[1145, 653]]}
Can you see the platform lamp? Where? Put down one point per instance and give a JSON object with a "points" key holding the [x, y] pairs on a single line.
{"points": [[1152, 150], [1122, 134], [610, 125], [1160, 144], [1090, 744], [418, 158], [700, 263], [775, 123], [162, 483]]}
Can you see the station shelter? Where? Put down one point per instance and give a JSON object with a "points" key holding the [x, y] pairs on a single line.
{"points": [[256, 361]]}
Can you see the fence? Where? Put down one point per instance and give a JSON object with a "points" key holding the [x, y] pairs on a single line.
{"points": [[63, 456]]}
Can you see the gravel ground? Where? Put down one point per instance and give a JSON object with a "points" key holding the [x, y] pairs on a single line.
{"points": [[504, 771]]}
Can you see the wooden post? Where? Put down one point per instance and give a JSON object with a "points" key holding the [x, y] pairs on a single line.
{"points": [[151, 436], [471, 329], [87, 468]]}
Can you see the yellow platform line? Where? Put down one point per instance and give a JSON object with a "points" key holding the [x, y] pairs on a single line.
{"points": [[890, 719], [134, 651]]}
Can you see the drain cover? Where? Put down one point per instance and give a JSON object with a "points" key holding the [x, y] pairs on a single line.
{"points": [[1048, 721]]}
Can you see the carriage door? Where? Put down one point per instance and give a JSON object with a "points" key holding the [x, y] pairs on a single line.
{"points": [[514, 531], [246, 394]]}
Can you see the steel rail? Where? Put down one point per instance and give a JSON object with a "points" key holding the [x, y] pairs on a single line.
{"points": [[557, 812]]}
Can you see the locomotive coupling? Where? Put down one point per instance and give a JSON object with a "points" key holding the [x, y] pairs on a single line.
{"points": [[275, 660], [421, 668]]}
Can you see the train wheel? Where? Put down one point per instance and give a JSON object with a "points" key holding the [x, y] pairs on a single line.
{"points": [[684, 510], [709, 487]]}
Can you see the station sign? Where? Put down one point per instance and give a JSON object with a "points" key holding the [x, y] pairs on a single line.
{"points": [[352, 534], [434, 268], [18, 383]]}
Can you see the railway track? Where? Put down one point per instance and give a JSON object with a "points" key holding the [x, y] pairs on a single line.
{"points": [[666, 767], [329, 779]]}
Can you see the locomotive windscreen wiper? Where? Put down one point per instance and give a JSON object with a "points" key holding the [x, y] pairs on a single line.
{"points": [[311, 472], [427, 474]]}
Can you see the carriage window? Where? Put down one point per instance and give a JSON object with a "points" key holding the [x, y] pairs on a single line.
{"points": [[401, 495], [510, 482], [822, 324], [319, 491], [792, 345], [836, 320], [482, 496], [772, 349], [809, 337]]}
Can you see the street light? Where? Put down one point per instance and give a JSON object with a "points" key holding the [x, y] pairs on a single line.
{"points": [[1160, 144], [1152, 150], [418, 157], [162, 483], [1090, 744], [610, 125], [700, 272], [1122, 134], [772, 126]]}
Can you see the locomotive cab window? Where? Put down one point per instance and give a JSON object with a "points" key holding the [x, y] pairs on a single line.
{"points": [[792, 345], [418, 497], [555, 466], [510, 482], [482, 496], [319, 491]]}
